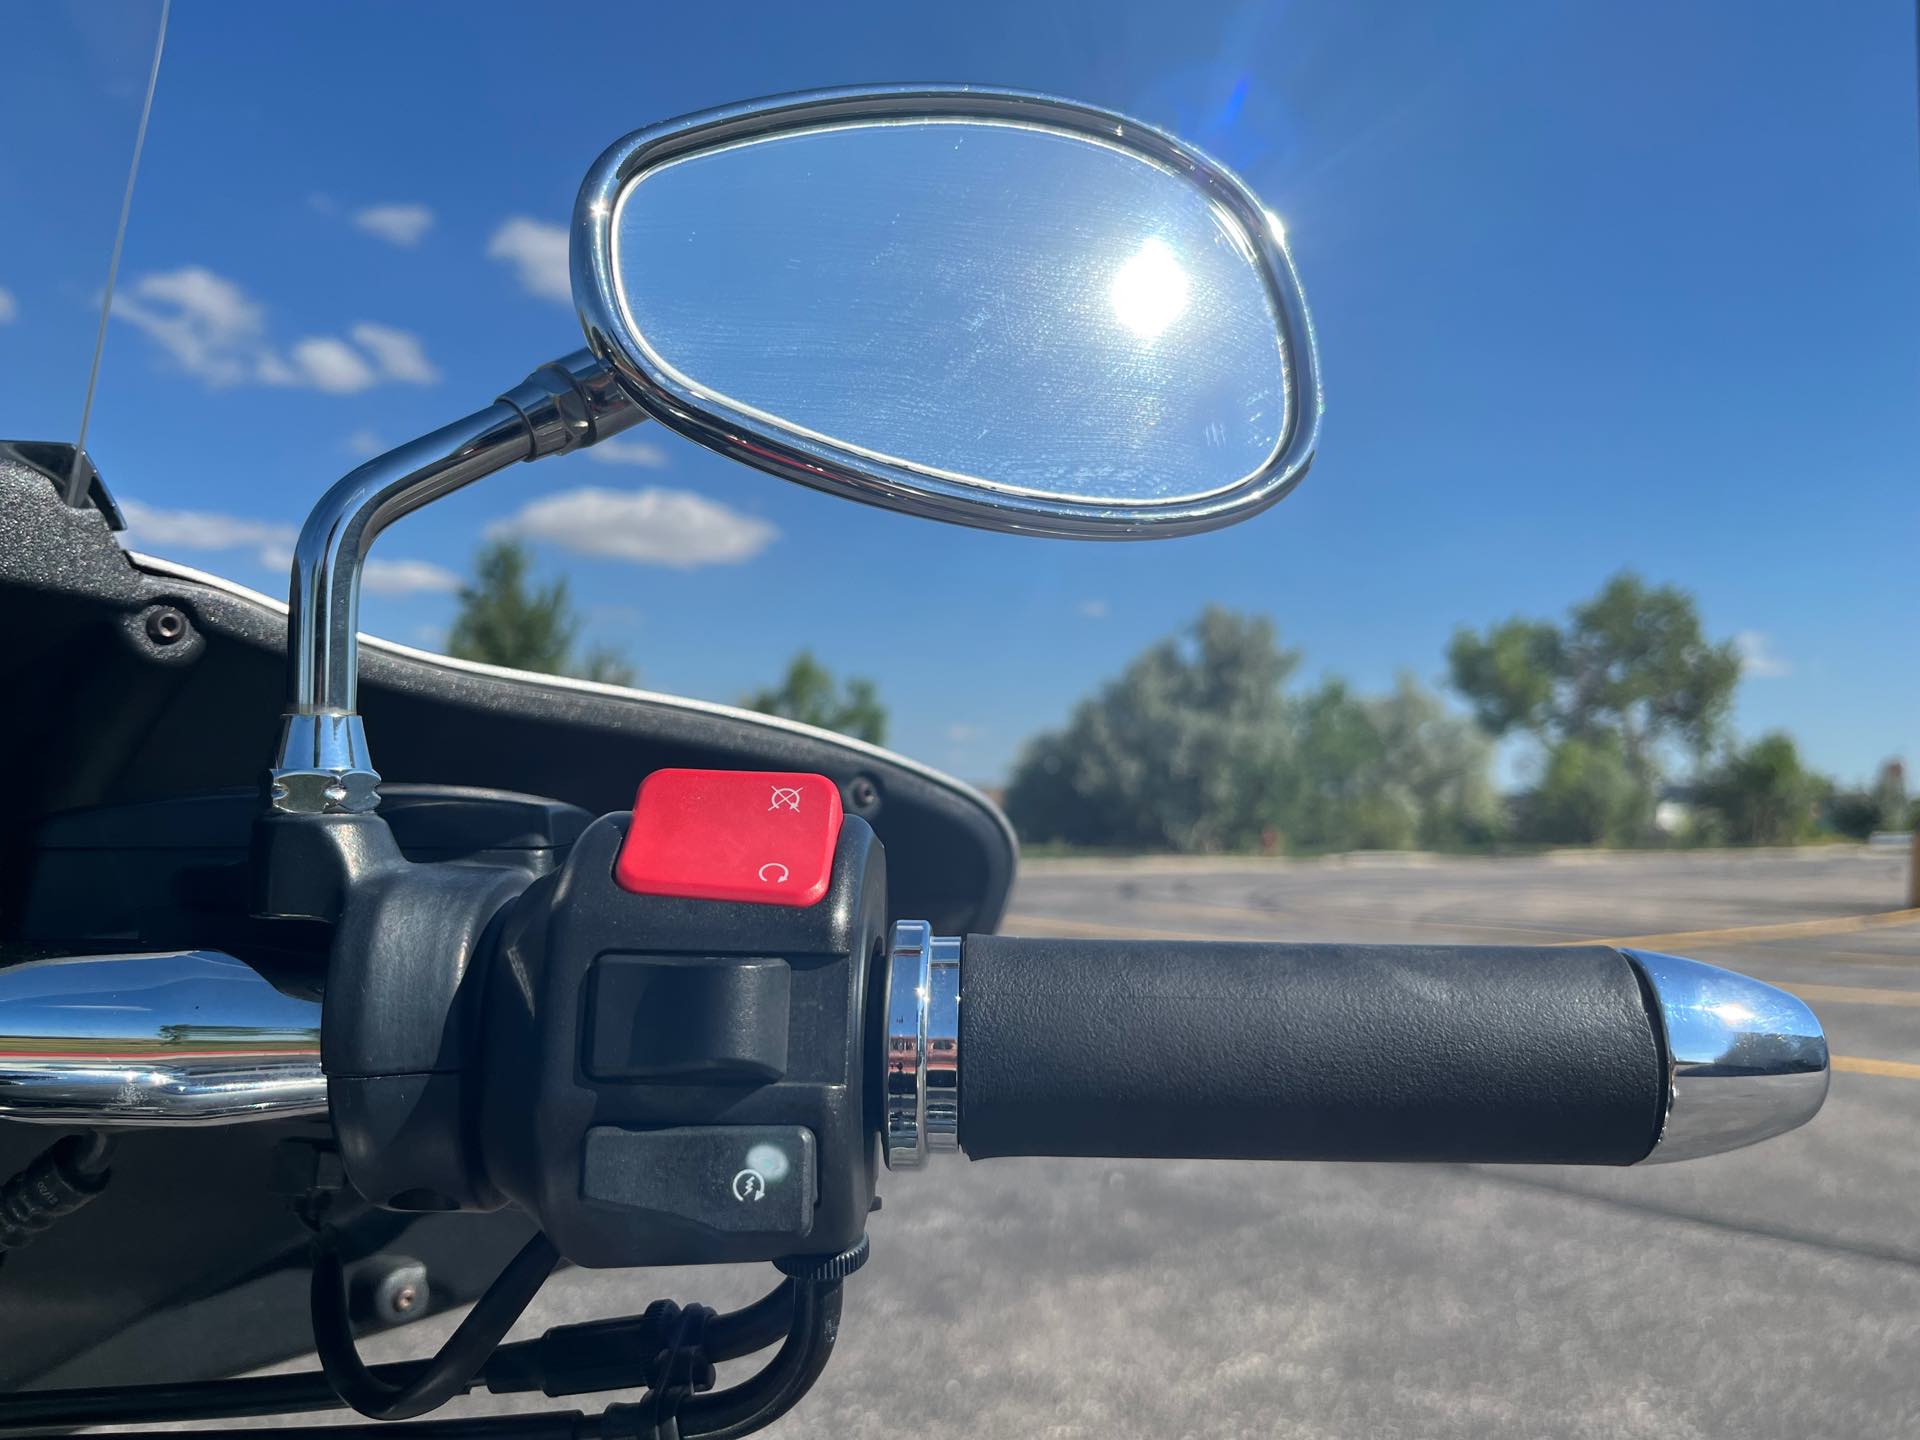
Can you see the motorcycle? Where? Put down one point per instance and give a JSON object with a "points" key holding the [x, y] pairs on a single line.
{"points": [[326, 1049]]}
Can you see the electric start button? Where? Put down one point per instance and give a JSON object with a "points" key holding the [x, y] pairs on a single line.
{"points": [[762, 836]]}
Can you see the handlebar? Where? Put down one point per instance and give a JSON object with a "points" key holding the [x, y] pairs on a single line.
{"points": [[1587, 1055]]}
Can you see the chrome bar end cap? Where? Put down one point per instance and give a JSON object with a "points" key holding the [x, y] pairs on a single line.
{"points": [[1745, 1060]]}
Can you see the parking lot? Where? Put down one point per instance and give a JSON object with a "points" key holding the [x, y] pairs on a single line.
{"points": [[1772, 1292]]}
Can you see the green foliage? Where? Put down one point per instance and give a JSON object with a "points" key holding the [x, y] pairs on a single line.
{"points": [[1630, 674], [1443, 762], [1197, 747], [1859, 813], [1588, 795], [808, 693], [1763, 794], [507, 619], [1180, 752]]}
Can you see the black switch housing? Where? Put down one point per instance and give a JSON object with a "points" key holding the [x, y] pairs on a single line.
{"points": [[621, 1029]]}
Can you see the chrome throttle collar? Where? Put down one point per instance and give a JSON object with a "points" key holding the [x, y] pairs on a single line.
{"points": [[923, 1045]]}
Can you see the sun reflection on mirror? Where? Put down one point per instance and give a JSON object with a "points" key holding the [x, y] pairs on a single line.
{"points": [[1149, 290]]}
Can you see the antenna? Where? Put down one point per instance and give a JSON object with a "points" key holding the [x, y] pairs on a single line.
{"points": [[76, 473]]}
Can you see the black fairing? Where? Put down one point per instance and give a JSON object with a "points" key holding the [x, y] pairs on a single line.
{"points": [[187, 1266]]}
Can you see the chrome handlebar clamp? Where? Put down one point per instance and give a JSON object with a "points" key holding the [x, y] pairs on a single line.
{"points": [[922, 1088]]}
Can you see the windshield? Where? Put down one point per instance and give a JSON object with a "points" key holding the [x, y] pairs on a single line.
{"points": [[1603, 577]]}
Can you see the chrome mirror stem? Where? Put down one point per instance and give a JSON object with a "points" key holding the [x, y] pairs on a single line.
{"points": [[322, 765]]}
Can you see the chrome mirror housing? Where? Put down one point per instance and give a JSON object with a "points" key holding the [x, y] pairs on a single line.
{"points": [[999, 309]]}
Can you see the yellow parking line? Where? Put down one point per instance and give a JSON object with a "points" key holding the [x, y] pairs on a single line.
{"points": [[1793, 929], [1893, 1069], [1854, 995]]}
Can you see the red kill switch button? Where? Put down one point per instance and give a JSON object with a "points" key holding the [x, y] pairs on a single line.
{"points": [[754, 835]]}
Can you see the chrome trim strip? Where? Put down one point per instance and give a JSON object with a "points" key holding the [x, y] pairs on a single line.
{"points": [[190, 1037], [1745, 1060], [922, 1082], [160, 565], [742, 435]]}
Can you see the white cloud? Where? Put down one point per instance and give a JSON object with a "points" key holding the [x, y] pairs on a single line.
{"points": [[9, 307], [643, 453], [1092, 609], [399, 355], [396, 224], [1757, 658], [365, 442], [213, 330], [538, 251], [326, 362], [407, 577], [650, 527], [960, 732], [149, 527], [271, 544]]}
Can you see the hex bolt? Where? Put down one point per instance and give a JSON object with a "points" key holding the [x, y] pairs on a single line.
{"points": [[166, 625]]}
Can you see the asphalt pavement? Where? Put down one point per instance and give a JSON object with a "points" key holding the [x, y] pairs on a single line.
{"points": [[1774, 1292]]}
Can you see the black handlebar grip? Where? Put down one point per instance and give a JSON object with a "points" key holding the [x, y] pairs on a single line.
{"points": [[1306, 1052]]}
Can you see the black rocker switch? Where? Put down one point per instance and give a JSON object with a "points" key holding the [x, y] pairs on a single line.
{"points": [[738, 1179], [688, 1018]]}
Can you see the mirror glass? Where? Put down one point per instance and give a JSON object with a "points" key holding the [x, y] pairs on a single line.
{"points": [[998, 303]]}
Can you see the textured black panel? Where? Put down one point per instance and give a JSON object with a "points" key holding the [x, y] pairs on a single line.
{"points": [[1296, 1052]]}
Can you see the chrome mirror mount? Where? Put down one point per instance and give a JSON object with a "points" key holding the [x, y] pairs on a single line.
{"points": [[322, 765]]}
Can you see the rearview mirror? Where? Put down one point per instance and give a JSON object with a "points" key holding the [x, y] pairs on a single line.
{"points": [[990, 308], [997, 309]]}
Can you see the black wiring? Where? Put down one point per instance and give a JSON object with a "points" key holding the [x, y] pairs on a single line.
{"points": [[453, 1367]]}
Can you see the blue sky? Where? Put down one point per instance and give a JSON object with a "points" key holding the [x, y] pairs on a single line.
{"points": [[1604, 285]]}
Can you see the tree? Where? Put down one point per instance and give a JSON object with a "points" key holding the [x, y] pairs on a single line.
{"points": [[507, 619], [1184, 750], [1763, 794], [1443, 761], [1629, 675], [809, 694], [1858, 813], [1587, 795], [1341, 789], [1386, 773]]}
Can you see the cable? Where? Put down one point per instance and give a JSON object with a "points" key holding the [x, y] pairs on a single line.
{"points": [[452, 1369], [757, 1403], [567, 1360], [723, 1415], [59, 1181]]}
